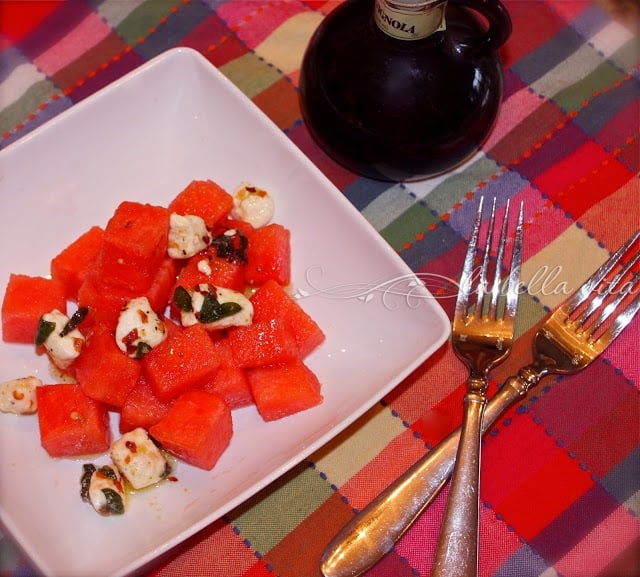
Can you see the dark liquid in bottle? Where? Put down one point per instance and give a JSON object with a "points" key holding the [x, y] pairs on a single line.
{"points": [[398, 109]]}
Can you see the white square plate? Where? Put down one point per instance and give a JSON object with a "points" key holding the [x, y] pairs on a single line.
{"points": [[144, 138]]}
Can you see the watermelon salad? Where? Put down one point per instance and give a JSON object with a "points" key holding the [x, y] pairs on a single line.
{"points": [[171, 316]]}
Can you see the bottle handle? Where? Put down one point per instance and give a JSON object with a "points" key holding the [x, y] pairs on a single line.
{"points": [[499, 21]]}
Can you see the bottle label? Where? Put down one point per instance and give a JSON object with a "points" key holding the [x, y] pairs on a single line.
{"points": [[408, 20]]}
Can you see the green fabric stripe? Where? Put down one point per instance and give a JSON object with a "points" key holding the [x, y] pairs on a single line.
{"points": [[251, 74], [626, 57], [459, 184], [272, 514], [137, 23], [37, 94], [418, 217], [604, 76]]}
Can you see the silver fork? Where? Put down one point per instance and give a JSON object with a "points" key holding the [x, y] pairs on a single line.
{"points": [[570, 339], [482, 335]]}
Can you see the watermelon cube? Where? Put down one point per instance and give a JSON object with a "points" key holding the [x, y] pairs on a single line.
{"points": [[134, 246], [262, 343], [203, 198], [197, 428], [141, 408], [186, 359], [26, 299], [230, 381], [283, 390], [272, 301], [72, 265], [104, 372], [71, 424], [269, 255]]}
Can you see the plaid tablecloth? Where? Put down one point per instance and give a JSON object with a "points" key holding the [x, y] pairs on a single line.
{"points": [[560, 489]]}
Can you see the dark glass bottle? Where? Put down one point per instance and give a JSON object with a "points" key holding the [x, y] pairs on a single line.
{"points": [[404, 90]]}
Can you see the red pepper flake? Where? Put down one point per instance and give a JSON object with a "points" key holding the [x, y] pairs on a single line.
{"points": [[172, 479], [18, 396], [131, 446]]}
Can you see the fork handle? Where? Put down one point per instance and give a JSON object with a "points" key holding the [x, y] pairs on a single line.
{"points": [[372, 533], [457, 549]]}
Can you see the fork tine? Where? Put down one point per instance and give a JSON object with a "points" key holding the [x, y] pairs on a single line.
{"points": [[480, 291], [599, 299], [464, 290], [613, 305], [622, 320], [597, 277], [513, 288], [495, 289]]}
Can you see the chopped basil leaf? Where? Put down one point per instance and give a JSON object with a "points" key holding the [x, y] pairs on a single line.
{"points": [[209, 310], [45, 328], [182, 299], [232, 248], [229, 308], [108, 472], [142, 349], [212, 310], [74, 321], [115, 503], [87, 470]]}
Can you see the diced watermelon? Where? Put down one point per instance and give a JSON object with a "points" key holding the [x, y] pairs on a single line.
{"points": [[203, 198], [104, 301], [161, 290], [269, 255], [72, 265], [142, 408], [134, 246], [272, 301], [283, 390], [71, 424], [262, 343], [230, 381], [103, 371], [184, 360], [197, 428], [26, 299]]}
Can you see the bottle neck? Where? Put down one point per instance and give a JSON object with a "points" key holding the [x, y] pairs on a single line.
{"points": [[410, 19]]}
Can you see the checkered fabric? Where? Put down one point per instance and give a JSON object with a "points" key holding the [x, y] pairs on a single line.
{"points": [[560, 492]]}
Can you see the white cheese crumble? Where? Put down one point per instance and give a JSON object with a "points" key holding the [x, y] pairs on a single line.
{"points": [[188, 235], [63, 349], [139, 459], [139, 328], [202, 293], [19, 396], [204, 266], [253, 205], [106, 491]]}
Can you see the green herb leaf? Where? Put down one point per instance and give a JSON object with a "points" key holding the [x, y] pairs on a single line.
{"points": [[115, 503], [108, 472], [232, 248], [209, 310], [182, 299], [142, 349], [87, 471], [45, 328], [229, 308], [212, 310], [74, 321]]}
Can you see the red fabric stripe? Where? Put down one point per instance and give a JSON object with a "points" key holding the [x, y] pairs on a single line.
{"points": [[18, 18]]}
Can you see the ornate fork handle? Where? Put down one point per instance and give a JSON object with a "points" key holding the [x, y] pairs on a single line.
{"points": [[456, 553], [375, 530]]}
